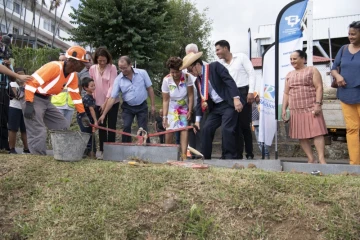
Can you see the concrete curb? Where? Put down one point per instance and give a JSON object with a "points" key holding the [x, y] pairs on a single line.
{"points": [[153, 153], [268, 165], [323, 168]]}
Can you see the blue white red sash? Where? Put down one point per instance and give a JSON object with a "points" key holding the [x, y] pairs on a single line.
{"points": [[203, 86]]}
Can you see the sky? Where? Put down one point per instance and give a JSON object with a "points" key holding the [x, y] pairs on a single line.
{"points": [[232, 18]]}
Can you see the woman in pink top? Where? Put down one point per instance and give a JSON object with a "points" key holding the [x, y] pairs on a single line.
{"points": [[104, 73]]}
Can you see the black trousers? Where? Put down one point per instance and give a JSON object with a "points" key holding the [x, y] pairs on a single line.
{"points": [[195, 139], [161, 137], [225, 116], [4, 116], [109, 122], [243, 127], [128, 114]]}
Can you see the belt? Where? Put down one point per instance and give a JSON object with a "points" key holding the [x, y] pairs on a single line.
{"points": [[42, 95]]}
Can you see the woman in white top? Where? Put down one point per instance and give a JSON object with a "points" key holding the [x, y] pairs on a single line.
{"points": [[178, 99]]}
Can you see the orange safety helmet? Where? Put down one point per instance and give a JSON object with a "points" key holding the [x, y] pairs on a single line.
{"points": [[77, 53]]}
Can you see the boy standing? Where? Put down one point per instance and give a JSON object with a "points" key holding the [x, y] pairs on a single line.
{"points": [[89, 104], [16, 118]]}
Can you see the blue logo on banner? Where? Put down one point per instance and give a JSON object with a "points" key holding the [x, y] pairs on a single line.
{"points": [[290, 24]]}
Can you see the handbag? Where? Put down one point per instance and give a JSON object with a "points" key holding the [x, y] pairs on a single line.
{"points": [[334, 83]]}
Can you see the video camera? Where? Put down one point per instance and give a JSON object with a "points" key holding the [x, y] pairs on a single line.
{"points": [[5, 48], [5, 54]]}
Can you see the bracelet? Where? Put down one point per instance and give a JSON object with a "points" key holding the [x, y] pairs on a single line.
{"points": [[319, 103], [164, 117]]}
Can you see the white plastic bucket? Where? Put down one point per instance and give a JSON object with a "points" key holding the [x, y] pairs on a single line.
{"points": [[68, 145]]}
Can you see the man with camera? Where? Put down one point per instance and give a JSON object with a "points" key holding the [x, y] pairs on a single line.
{"points": [[6, 94]]}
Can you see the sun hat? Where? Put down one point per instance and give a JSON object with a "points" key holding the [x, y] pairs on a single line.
{"points": [[190, 59]]}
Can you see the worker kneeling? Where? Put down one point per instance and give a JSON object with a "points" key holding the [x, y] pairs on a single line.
{"points": [[50, 80]]}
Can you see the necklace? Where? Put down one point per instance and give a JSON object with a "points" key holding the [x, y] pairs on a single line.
{"points": [[101, 70]]}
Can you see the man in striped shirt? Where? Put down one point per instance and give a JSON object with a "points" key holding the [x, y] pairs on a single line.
{"points": [[50, 80]]}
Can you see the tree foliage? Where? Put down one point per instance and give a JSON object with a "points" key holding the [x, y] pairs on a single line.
{"points": [[188, 25], [149, 31], [32, 59]]}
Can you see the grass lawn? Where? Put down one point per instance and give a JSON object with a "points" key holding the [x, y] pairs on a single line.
{"points": [[41, 198]]}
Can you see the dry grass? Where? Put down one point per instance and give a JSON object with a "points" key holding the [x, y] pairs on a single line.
{"points": [[41, 198]]}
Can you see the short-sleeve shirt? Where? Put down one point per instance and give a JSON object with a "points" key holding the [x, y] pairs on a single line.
{"points": [[134, 92], [159, 123], [350, 70], [15, 103], [89, 101], [177, 92]]}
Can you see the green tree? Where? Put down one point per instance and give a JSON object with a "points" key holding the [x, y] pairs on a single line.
{"points": [[188, 25], [149, 31], [127, 27]]}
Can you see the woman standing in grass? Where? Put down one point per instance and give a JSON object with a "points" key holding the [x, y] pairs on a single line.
{"points": [[178, 98], [303, 94], [104, 73], [348, 79]]}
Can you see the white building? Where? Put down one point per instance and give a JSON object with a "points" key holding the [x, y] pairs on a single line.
{"points": [[321, 63], [338, 27], [17, 10]]}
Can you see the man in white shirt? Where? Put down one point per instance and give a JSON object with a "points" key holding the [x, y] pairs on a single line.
{"points": [[242, 71]]}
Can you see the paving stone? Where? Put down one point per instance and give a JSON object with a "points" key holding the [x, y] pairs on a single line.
{"points": [[269, 165], [151, 153], [323, 168]]}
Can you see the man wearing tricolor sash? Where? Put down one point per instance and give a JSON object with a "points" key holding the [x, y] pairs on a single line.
{"points": [[218, 93]]}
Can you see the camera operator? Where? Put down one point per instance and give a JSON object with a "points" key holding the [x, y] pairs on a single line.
{"points": [[6, 75]]}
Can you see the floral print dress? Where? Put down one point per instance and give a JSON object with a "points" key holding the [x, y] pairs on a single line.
{"points": [[178, 105]]}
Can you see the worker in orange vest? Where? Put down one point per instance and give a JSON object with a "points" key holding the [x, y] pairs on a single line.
{"points": [[50, 80]]}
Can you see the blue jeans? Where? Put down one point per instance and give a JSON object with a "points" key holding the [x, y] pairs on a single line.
{"points": [[87, 130], [68, 114], [267, 153]]}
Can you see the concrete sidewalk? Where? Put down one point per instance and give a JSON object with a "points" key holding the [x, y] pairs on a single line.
{"points": [[216, 156]]}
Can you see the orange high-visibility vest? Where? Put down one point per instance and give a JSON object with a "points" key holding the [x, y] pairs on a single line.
{"points": [[50, 80]]}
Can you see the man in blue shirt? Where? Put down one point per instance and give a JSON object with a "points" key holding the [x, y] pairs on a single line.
{"points": [[135, 86]]}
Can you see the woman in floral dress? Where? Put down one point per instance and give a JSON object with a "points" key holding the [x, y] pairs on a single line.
{"points": [[178, 98]]}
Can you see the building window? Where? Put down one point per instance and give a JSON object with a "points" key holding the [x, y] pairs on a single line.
{"points": [[15, 30], [17, 8], [13, 6], [3, 28], [49, 25]]}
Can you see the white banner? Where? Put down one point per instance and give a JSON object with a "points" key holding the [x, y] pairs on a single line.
{"points": [[276, 65], [267, 121]]}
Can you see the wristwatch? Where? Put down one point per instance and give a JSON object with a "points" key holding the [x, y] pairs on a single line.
{"points": [[318, 103]]}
